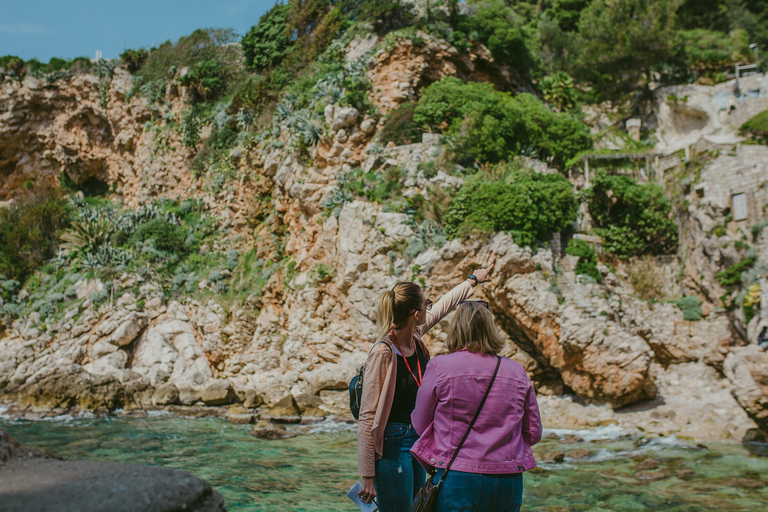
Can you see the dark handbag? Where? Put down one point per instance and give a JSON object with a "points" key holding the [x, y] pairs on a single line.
{"points": [[426, 498], [356, 389]]}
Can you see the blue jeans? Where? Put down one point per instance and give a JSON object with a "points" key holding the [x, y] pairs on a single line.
{"points": [[398, 475], [477, 492]]}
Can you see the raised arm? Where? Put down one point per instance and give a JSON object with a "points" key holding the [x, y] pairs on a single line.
{"points": [[450, 300]]}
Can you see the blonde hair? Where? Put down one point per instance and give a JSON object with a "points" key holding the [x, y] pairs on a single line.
{"points": [[473, 328], [396, 305]]}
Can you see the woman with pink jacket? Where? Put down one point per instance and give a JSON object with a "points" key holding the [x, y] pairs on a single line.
{"points": [[487, 473], [393, 374]]}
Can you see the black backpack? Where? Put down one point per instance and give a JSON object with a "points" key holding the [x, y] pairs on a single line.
{"points": [[356, 388]]}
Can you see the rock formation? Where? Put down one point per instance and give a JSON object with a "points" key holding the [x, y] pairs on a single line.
{"points": [[292, 347]]}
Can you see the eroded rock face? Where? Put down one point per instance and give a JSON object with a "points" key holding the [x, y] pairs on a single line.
{"points": [[747, 369], [597, 359], [399, 73]]}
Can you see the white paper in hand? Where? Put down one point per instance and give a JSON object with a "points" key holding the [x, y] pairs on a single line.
{"points": [[364, 507]]}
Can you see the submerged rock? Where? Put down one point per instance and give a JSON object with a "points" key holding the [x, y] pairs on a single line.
{"points": [[34, 482], [552, 457], [267, 430]]}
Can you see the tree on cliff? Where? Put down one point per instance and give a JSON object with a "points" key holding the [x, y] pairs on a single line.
{"points": [[626, 39], [267, 43]]}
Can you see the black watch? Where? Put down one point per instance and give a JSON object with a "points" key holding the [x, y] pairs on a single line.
{"points": [[473, 277]]}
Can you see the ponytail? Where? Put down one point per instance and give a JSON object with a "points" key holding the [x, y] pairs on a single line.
{"points": [[385, 314], [395, 306]]}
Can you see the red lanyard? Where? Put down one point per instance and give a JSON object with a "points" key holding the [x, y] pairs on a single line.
{"points": [[418, 381]]}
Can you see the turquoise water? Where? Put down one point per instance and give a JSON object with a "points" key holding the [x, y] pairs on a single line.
{"points": [[314, 470]]}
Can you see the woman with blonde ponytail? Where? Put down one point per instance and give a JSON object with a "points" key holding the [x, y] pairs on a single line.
{"points": [[393, 374]]}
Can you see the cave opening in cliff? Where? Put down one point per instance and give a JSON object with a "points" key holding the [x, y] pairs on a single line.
{"points": [[92, 187]]}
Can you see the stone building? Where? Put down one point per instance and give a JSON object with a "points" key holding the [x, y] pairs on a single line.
{"points": [[738, 181]]}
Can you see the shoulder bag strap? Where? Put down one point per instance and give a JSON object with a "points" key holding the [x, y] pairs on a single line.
{"points": [[472, 423]]}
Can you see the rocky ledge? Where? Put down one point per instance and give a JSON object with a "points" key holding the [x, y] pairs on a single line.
{"points": [[33, 481]]}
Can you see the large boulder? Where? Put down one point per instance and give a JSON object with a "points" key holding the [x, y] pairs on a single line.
{"points": [[127, 331], [285, 410], [309, 405], [747, 369], [167, 394], [72, 386], [218, 392], [33, 481], [170, 348], [341, 117]]}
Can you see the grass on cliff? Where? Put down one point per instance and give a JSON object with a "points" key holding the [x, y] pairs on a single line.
{"points": [[756, 128]]}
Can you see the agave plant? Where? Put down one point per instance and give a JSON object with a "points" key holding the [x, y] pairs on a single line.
{"points": [[529, 150], [244, 119], [358, 66], [61, 259], [337, 198], [311, 131], [87, 233], [335, 95], [296, 119], [376, 148], [283, 110], [291, 98]]}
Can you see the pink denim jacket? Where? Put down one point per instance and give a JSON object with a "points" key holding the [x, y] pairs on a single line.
{"points": [[508, 425]]}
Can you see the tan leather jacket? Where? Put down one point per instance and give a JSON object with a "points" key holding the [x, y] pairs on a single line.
{"points": [[379, 383]]}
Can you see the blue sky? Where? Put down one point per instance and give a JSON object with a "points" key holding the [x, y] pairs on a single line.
{"points": [[68, 29]]}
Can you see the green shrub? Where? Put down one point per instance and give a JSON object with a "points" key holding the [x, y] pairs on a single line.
{"points": [[399, 126], [504, 33], [29, 233], [568, 12], [167, 237], [206, 79], [634, 219], [587, 264], [12, 65], [756, 127], [134, 59], [386, 15], [731, 277], [557, 89], [492, 126], [691, 307], [428, 169], [529, 205], [190, 128], [377, 186], [215, 149], [267, 42], [203, 45]]}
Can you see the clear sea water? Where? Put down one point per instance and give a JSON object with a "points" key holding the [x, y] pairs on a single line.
{"points": [[314, 470]]}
